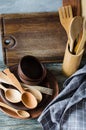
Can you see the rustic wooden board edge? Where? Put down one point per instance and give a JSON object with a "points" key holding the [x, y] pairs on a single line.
{"points": [[25, 15]]}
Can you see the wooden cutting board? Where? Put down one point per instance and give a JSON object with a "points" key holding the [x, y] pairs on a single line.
{"points": [[39, 34]]}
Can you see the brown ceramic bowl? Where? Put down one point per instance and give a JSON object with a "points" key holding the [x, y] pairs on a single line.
{"points": [[31, 70]]}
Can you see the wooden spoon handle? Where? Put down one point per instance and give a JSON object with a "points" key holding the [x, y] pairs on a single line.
{"points": [[7, 107], [42, 89], [78, 43], [22, 114]]}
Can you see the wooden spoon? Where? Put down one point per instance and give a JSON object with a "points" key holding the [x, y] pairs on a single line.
{"points": [[35, 92], [18, 106], [82, 39], [75, 29], [27, 98], [5, 79], [21, 113], [11, 95]]}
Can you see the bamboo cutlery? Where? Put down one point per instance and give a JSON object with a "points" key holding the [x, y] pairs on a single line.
{"points": [[75, 28], [66, 15], [72, 25]]}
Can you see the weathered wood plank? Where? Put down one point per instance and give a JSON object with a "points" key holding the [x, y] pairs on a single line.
{"points": [[39, 34]]}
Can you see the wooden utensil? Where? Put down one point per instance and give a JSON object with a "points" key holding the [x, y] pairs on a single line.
{"points": [[66, 15], [27, 98], [20, 113], [11, 95], [4, 78], [42, 89], [74, 31], [35, 92], [71, 62], [18, 106], [82, 40]]}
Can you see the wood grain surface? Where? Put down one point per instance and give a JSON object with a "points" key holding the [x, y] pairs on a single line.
{"points": [[32, 29], [39, 34], [76, 6]]}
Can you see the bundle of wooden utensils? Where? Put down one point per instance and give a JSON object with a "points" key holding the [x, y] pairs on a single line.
{"points": [[75, 28], [17, 93]]}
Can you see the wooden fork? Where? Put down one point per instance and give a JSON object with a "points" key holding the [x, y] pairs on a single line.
{"points": [[66, 15]]}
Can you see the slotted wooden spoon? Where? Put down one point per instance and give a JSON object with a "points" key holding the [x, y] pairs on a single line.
{"points": [[66, 15]]}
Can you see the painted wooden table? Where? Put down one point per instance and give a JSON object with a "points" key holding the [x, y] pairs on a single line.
{"points": [[7, 123]]}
